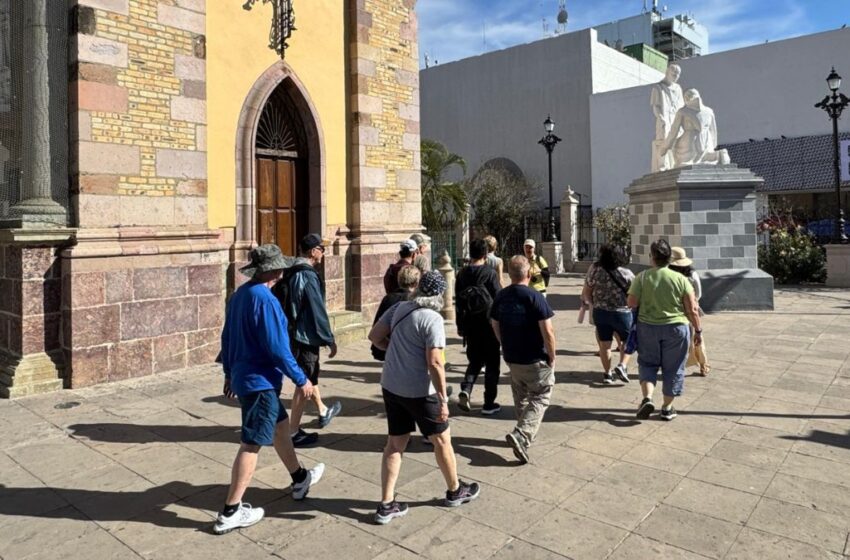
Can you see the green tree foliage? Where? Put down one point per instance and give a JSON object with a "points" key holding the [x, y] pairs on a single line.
{"points": [[613, 224], [443, 201], [500, 201]]}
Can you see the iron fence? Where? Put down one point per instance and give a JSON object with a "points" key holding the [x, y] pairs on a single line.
{"points": [[444, 240], [534, 226]]}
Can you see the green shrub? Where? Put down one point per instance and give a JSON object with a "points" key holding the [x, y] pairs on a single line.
{"points": [[792, 257], [614, 225]]}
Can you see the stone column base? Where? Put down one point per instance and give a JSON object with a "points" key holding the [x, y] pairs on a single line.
{"points": [[553, 252], [838, 266], [31, 375], [736, 290]]}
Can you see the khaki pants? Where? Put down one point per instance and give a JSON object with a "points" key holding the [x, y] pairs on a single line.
{"points": [[532, 389]]}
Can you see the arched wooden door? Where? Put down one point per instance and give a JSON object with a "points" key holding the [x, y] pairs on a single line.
{"points": [[282, 183]]}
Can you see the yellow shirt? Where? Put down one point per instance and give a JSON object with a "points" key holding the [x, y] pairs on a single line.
{"points": [[537, 265]]}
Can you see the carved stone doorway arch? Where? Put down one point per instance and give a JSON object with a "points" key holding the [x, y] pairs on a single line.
{"points": [[278, 81]]}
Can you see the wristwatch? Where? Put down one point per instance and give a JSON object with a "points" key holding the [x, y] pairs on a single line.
{"points": [[442, 399], [698, 331]]}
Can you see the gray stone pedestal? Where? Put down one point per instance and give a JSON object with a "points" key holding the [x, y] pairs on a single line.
{"points": [[838, 266], [553, 252], [709, 210]]}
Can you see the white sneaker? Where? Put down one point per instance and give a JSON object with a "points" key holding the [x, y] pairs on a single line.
{"points": [[314, 475], [245, 516]]}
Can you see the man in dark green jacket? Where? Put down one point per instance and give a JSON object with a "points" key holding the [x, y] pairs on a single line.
{"points": [[311, 329]]}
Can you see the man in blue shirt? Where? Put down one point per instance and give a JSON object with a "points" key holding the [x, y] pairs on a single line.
{"points": [[522, 321], [255, 355]]}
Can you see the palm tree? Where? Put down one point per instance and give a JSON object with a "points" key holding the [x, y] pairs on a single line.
{"points": [[443, 201]]}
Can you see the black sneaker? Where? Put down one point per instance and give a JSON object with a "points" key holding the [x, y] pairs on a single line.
{"points": [[608, 379], [491, 409], [668, 414], [518, 446], [388, 512], [622, 373], [303, 439], [331, 413], [463, 401], [645, 409], [466, 492]]}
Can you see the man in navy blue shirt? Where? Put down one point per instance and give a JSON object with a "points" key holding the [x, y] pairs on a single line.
{"points": [[522, 321], [255, 354]]}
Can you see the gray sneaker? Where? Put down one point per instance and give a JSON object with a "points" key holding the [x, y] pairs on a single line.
{"points": [[388, 512], [608, 379], [314, 475], [645, 409], [331, 413], [621, 373], [668, 414], [518, 445], [463, 401]]}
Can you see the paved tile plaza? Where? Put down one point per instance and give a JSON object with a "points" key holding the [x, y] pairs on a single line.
{"points": [[755, 466]]}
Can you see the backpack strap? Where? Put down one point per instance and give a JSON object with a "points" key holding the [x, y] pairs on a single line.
{"points": [[616, 281]]}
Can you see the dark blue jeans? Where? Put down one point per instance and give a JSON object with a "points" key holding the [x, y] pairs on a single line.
{"points": [[663, 347]]}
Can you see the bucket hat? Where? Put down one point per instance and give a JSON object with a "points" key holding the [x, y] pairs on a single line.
{"points": [[264, 258], [678, 257]]}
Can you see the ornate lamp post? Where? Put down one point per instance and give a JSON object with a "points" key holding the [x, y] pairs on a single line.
{"points": [[834, 105], [549, 142]]}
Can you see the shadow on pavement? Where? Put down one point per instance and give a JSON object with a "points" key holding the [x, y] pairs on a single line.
{"points": [[149, 506], [564, 302], [825, 438]]}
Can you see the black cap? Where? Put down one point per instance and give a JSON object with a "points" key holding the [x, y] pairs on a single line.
{"points": [[311, 241]]}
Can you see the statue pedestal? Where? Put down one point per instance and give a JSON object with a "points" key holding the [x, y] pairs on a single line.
{"points": [[709, 210], [838, 266]]}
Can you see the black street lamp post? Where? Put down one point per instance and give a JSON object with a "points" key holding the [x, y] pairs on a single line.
{"points": [[549, 142], [834, 105]]}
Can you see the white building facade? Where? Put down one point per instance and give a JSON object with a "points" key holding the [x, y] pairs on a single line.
{"points": [[493, 106]]}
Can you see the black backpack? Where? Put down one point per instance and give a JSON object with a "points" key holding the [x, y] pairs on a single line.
{"points": [[473, 303], [282, 290]]}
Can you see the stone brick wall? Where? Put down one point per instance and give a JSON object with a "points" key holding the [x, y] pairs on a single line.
{"points": [[143, 284], [138, 113], [137, 314], [384, 102], [30, 312], [30, 294]]}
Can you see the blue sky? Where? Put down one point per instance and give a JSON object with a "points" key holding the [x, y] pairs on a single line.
{"points": [[453, 29]]}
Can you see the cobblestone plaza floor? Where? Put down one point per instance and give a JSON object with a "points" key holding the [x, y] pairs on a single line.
{"points": [[755, 466]]}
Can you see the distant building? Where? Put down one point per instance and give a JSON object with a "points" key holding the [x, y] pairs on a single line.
{"points": [[678, 37]]}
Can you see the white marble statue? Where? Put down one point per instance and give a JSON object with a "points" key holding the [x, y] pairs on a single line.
{"points": [[666, 100], [693, 136]]}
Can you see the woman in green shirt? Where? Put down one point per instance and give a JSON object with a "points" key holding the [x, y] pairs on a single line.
{"points": [[666, 305]]}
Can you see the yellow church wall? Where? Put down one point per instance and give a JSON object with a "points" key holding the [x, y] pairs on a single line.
{"points": [[238, 54]]}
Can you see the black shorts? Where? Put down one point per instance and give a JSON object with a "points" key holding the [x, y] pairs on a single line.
{"points": [[308, 360], [405, 414]]}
